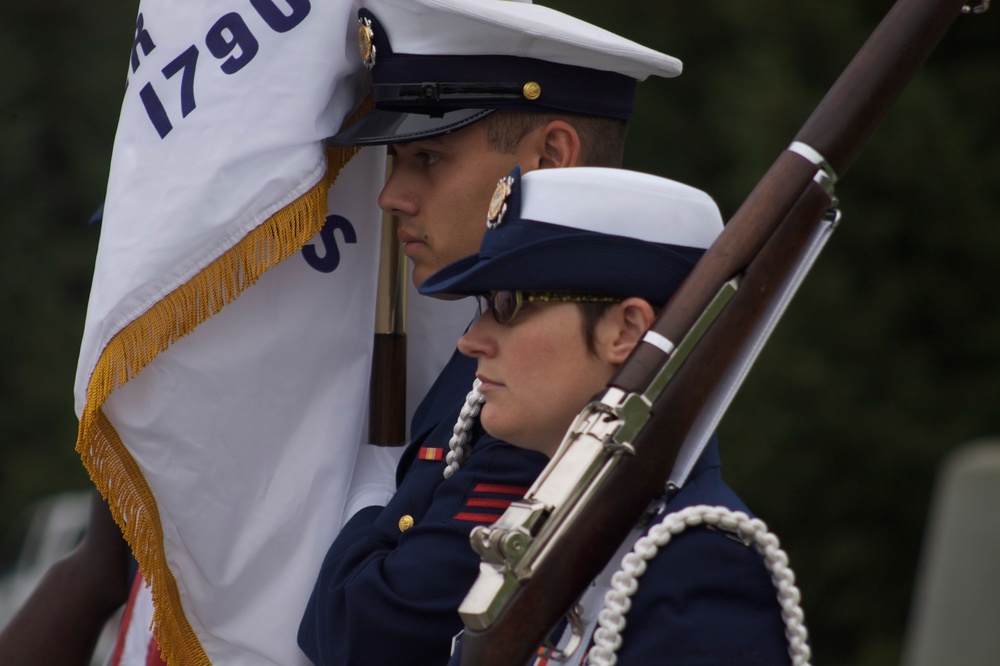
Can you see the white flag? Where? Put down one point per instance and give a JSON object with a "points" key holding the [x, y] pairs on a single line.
{"points": [[226, 446]]}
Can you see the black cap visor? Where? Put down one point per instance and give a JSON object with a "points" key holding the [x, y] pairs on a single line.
{"points": [[378, 127]]}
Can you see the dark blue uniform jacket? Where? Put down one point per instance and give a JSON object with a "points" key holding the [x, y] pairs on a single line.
{"points": [[706, 599], [387, 593], [391, 582]]}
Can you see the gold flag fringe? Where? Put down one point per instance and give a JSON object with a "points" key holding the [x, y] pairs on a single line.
{"points": [[112, 468]]}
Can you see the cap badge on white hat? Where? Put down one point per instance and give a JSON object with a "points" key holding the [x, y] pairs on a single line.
{"points": [[498, 204], [366, 41], [531, 90]]}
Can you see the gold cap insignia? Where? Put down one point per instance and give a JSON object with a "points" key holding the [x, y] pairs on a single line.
{"points": [[498, 204], [531, 90], [366, 39]]}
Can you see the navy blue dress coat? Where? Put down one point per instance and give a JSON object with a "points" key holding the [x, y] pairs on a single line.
{"points": [[706, 598], [392, 581]]}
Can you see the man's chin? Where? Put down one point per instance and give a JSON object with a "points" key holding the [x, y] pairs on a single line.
{"points": [[419, 275]]}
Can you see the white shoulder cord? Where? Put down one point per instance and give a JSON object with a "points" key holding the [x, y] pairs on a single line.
{"points": [[458, 448], [611, 620]]}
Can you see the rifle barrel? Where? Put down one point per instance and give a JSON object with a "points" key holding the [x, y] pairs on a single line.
{"points": [[761, 242]]}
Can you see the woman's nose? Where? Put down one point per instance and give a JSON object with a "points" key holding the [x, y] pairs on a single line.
{"points": [[478, 340]]}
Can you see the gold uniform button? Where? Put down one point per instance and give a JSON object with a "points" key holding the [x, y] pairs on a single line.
{"points": [[531, 90], [405, 523]]}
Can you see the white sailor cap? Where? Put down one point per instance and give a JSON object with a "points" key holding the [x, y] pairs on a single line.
{"points": [[438, 65], [586, 230]]}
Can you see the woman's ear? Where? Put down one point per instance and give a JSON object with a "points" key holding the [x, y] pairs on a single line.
{"points": [[631, 319]]}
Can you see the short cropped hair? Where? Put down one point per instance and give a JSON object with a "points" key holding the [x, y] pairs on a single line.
{"points": [[592, 313], [602, 140]]}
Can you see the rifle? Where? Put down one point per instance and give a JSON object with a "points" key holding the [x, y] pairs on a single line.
{"points": [[387, 391], [621, 448]]}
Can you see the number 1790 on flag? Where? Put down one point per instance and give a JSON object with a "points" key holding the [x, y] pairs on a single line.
{"points": [[229, 39]]}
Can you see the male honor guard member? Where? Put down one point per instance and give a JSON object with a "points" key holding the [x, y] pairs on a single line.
{"points": [[442, 70]]}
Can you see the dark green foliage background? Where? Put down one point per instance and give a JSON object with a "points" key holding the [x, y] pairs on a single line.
{"points": [[888, 359], [62, 76]]}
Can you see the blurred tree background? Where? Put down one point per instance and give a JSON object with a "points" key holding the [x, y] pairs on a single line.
{"points": [[62, 76], [888, 359]]}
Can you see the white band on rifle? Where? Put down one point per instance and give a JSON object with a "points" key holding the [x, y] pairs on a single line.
{"points": [[813, 155], [660, 342]]}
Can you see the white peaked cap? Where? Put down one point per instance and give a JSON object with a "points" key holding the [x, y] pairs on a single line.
{"points": [[621, 203], [496, 27]]}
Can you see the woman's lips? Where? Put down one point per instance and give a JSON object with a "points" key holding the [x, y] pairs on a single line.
{"points": [[487, 383]]}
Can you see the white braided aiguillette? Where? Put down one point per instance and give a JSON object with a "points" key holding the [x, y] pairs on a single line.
{"points": [[625, 583], [458, 448]]}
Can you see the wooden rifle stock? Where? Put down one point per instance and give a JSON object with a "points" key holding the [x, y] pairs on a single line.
{"points": [[760, 244]]}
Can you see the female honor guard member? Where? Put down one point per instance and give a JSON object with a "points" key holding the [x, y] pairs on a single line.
{"points": [[573, 266]]}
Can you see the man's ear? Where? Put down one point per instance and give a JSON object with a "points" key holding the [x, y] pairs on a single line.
{"points": [[632, 318], [553, 145]]}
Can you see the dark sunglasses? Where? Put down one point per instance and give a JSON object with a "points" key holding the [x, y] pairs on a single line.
{"points": [[506, 304]]}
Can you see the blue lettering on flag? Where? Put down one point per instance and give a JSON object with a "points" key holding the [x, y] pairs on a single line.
{"points": [[227, 35], [154, 109], [331, 256], [239, 35], [278, 20], [142, 39], [186, 63]]}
